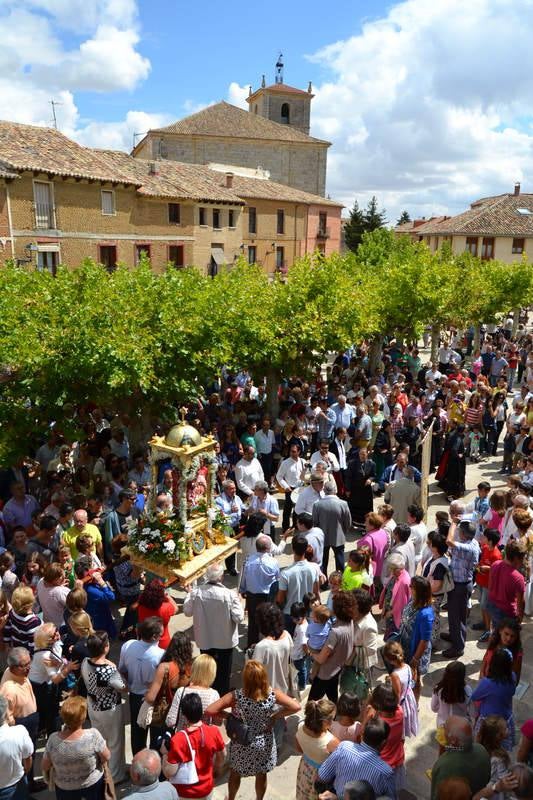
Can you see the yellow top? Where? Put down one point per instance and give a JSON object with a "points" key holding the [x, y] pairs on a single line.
{"points": [[69, 537]]}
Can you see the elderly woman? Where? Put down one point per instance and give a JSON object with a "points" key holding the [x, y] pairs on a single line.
{"points": [[263, 504], [77, 755], [376, 539], [48, 670], [395, 595], [105, 686]]}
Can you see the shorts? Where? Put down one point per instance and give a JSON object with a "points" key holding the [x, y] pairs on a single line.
{"points": [[483, 597]]}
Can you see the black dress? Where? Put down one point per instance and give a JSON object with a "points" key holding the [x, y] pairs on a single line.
{"points": [[453, 479], [361, 496]]}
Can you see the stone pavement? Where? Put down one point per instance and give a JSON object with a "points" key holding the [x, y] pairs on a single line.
{"points": [[420, 752]]}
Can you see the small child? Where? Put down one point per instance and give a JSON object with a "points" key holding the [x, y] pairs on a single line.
{"points": [[86, 547], [346, 725], [474, 438], [8, 577], [356, 573], [335, 583], [317, 633], [64, 557], [299, 655], [310, 599], [451, 697]]}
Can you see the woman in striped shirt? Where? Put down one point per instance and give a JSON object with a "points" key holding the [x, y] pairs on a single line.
{"points": [[21, 621]]}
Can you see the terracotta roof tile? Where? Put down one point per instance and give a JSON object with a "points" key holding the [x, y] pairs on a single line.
{"points": [[29, 147], [281, 88], [494, 216], [269, 190], [224, 119]]}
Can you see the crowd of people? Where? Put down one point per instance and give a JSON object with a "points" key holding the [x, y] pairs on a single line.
{"points": [[344, 636]]}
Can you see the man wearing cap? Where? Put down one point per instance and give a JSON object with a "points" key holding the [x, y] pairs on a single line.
{"points": [[310, 494]]}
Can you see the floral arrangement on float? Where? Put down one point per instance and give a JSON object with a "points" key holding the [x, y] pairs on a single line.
{"points": [[158, 537]]}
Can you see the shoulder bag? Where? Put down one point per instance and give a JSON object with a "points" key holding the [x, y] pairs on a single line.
{"points": [[163, 701], [354, 677], [186, 774], [238, 731]]}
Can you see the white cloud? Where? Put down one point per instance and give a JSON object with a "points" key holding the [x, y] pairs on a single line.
{"points": [[426, 105], [119, 135], [237, 95]]}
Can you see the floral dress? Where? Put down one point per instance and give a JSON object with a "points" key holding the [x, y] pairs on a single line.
{"points": [[261, 754], [407, 701]]}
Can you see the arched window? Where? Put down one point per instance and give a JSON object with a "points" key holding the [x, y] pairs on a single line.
{"points": [[285, 113]]}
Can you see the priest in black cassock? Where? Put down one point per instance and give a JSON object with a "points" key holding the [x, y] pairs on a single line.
{"points": [[360, 474]]}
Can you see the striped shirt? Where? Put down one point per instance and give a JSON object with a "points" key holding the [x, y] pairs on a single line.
{"points": [[351, 762], [464, 557], [18, 631]]}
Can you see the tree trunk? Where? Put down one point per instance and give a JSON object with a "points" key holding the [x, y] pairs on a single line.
{"points": [[375, 353], [477, 337], [273, 380], [516, 319], [435, 336]]}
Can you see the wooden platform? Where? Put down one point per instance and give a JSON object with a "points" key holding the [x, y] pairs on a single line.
{"points": [[191, 570]]}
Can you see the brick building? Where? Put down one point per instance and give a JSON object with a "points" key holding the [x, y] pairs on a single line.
{"points": [[60, 203]]}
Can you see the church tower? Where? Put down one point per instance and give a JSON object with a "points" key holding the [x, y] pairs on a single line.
{"points": [[282, 103]]}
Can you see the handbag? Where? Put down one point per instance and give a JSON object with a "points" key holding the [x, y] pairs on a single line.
{"points": [[238, 731], [163, 702], [186, 774], [354, 677]]}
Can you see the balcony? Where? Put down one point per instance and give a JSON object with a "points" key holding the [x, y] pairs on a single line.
{"points": [[322, 233], [45, 216]]}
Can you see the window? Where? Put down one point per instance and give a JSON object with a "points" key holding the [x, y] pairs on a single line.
{"points": [[216, 218], [140, 251], [524, 212], [175, 255], [47, 261], [252, 254], [518, 246], [108, 202], [487, 248], [174, 213], [280, 257], [252, 220], [471, 245], [322, 223], [280, 228], [231, 218], [44, 205], [108, 256], [285, 114], [202, 215]]}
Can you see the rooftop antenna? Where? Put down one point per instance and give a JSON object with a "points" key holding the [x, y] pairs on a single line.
{"points": [[279, 69], [136, 135], [54, 103]]}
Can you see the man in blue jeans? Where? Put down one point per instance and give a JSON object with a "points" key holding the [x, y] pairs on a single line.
{"points": [[464, 558]]}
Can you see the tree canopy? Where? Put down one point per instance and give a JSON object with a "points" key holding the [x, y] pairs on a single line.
{"points": [[144, 343], [403, 218]]}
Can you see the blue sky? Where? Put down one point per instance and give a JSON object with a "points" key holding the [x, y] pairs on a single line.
{"points": [[427, 102]]}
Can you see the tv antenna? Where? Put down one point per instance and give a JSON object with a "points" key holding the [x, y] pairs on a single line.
{"points": [[136, 135], [54, 103]]}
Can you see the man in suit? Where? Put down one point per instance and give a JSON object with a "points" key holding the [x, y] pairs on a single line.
{"points": [[332, 515], [394, 472], [360, 475], [402, 493]]}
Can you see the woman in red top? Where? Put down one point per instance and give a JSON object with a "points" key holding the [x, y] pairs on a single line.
{"points": [[384, 704], [204, 741], [155, 602]]}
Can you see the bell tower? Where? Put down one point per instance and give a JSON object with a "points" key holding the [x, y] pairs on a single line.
{"points": [[282, 103]]}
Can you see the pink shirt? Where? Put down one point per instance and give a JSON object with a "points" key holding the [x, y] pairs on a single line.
{"points": [[378, 542], [506, 585], [52, 600]]}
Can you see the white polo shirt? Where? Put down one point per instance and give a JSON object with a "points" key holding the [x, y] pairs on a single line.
{"points": [[15, 744]]}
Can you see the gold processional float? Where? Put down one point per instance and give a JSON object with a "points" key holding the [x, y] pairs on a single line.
{"points": [[179, 544]]}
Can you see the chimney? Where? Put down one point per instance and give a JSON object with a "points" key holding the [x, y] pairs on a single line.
{"points": [[152, 168], [229, 180], [516, 189]]}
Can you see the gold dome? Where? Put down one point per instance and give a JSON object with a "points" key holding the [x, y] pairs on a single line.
{"points": [[181, 435]]}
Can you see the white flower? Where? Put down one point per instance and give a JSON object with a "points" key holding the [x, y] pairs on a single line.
{"points": [[142, 547], [169, 546], [146, 531]]}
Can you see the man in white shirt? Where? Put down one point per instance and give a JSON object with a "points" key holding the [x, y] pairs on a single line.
{"points": [[433, 374], [419, 531], [264, 443], [290, 475], [296, 581], [344, 412], [324, 454], [216, 613], [309, 495], [247, 472], [265, 505], [16, 750]]}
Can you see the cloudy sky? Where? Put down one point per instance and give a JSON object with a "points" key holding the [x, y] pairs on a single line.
{"points": [[428, 103]]}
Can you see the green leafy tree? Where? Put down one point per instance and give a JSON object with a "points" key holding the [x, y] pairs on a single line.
{"points": [[354, 228], [403, 218]]}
